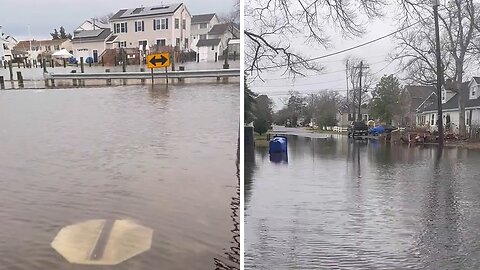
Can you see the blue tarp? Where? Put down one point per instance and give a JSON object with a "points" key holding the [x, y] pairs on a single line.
{"points": [[377, 130]]}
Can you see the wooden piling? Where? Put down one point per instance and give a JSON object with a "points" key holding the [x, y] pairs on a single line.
{"points": [[44, 63], [181, 68], [2, 83], [142, 81], [20, 79], [10, 67], [109, 81], [82, 68], [75, 82]]}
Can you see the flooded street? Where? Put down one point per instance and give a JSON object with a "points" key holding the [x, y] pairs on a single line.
{"points": [[339, 204], [165, 158]]}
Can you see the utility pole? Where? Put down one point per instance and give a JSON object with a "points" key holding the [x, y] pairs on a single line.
{"points": [[361, 67], [346, 77], [435, 4]]}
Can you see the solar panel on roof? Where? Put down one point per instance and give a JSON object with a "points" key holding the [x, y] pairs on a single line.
{"points": [[157, 8], [89, 33], [137, 10]]}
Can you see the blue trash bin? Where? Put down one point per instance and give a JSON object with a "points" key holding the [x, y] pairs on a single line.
{"points": [[278, 145]]}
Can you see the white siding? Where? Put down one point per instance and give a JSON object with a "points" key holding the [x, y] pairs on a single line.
{"points": [[85, 50], [170, 35], [207, 54]]}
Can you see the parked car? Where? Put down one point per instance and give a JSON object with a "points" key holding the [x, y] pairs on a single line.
{"points": [[357, 128]]}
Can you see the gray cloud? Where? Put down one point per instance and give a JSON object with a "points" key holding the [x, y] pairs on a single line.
{"points": [[16, 16]]}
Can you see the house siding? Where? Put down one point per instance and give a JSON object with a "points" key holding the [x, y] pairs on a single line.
{"points": [[170, 35]]}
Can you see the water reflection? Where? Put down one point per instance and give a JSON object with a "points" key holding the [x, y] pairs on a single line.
{"points": [[343, 204]]}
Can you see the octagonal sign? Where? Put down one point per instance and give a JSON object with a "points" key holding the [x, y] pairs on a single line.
{"points": [[102, 242]]}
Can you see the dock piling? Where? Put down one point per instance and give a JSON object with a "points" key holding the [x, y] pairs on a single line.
{"points": [[20, 79]]}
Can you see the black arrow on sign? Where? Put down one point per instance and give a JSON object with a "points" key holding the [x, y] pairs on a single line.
{"points": [[161, 60]]}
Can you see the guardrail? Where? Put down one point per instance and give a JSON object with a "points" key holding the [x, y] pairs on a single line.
{"points": [[145, 75]]}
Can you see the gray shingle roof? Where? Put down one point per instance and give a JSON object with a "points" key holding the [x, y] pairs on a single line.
{"points": [[124, 14], [202, 18], [453, 102], [219, 29], [418, 94], [208, 42], [92, 35]]}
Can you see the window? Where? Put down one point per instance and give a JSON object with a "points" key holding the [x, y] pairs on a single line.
{"points": [[143, 45], [184, 24], [139, 26], [122, 44], [178, 42], [48, 48], [203, 37], [186, 43], [161, 42], [432, 119], [160, 24], [56, 47], [177, 23], [120, 27], [203, 25]]}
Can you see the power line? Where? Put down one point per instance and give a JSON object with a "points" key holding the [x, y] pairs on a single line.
{"points": [[321, 74], [342, 51]]}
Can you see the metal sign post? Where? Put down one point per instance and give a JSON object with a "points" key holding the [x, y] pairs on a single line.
{"points": [[153, 81], [166, 74]]}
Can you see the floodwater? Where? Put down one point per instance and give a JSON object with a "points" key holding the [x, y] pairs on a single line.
{"points": [[37, 73], [165, 158], [339, 204]]}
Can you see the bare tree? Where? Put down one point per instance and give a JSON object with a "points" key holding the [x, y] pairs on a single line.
{"points": [[272, 25], [460, 33], [352, 65]]}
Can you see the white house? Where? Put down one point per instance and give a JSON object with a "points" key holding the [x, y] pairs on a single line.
{"points": [[3, 43], [212, 48], [7, 43], [201, 25], [144, 27], [92, 24], [427, 112], [92, 43]]}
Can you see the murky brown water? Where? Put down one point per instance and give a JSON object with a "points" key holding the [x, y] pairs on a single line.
{"points": [[337, 204], [165, 158]]}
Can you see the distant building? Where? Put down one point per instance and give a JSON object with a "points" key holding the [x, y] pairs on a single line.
{"points": [[201, 25], [218, 37], [37, 49], [427, 112], [145, 27], [7, 43]]}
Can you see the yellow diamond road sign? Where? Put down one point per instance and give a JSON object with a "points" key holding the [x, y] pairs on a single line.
{"points": [[158, 60]]}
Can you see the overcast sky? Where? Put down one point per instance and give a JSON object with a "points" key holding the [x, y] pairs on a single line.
{"points": [[277, 86], [44, 15]]}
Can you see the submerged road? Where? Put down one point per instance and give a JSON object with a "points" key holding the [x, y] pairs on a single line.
{"points": [[303, 132]]}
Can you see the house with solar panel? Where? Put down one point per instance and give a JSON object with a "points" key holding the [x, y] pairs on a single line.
{"points": [[91, 40], [201, 25], [148, 28], [218, 39]]}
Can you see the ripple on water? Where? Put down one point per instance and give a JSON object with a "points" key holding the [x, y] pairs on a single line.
{"points": [[75, 155]]}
